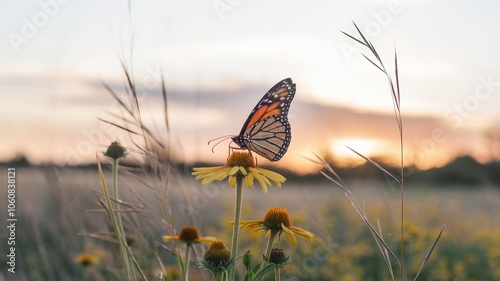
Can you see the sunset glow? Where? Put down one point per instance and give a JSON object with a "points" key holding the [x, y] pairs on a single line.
{"points": [[366, 147]]}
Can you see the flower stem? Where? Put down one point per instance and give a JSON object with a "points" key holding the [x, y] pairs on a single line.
{"points": [[269, 247], [109, 206], [219, 276], [186, 263], [119, 225], [237, 215], [277, 274], [270, 243], [115, 195]]}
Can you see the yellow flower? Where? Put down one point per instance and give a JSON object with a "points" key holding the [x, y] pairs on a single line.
{"points": [[275, 221], [189, 235], [173, 272], [239, 164], [87, 259]]}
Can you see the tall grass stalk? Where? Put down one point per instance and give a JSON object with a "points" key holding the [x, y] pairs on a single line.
{"points": [[396, 100], [119, 233], [155, 149], [387, 253]]}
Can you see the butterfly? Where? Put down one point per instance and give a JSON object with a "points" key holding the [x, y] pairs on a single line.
{"points": [[266, 130]]}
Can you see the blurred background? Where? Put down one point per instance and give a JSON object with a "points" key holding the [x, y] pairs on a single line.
{"points": [[218, 58]]}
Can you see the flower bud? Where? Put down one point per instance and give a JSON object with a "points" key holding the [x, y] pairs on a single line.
{"points": [[115, 151]]}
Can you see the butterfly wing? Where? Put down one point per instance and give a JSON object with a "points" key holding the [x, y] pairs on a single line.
{"points": [[266, 130]]}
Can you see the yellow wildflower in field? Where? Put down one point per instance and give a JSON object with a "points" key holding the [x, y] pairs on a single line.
{"points": [[239, 164], [276, 221], [87, 259], [189, 236]]}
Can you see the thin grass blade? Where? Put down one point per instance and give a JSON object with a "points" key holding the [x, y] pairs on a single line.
{"points": [[374, 164], [373, 63], [429, 253], [377, 56], [366, 41], [118, 126], [396, 72], [385, 252], [165, 107], [117, 98], [353, 38], [367, 222]]}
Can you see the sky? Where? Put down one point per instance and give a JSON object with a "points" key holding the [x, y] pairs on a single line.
{"points": [[220, 57]]}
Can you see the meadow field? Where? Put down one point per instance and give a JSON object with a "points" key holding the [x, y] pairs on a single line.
{"points": [[60, 217]]}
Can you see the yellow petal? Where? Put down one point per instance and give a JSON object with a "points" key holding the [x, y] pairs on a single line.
{"points": [[234, 170], [249, 221], [207, 170], [222, 173], [206, 181], [258, 233], [252, 227], [263, 181], [272, 175], [249, 180], [206, 239], [243, 171], [289, 235], [167, 238], [302, 232], [210, 174], [232, 181]]}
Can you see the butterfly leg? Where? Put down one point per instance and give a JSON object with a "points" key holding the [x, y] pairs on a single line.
{"points": [[232, 148]]}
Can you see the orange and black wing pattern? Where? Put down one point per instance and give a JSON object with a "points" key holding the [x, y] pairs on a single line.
{"points": [[267, 131]]}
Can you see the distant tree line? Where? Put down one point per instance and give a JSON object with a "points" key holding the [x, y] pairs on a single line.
{"points": [[462, 171]]}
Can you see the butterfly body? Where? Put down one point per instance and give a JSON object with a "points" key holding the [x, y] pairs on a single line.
{"points": [[267, 131]]}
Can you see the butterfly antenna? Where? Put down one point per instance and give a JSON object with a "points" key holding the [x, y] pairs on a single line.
{"points": [[220, 139]]}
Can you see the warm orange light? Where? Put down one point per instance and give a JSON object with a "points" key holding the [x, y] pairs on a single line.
{"points": [[366, 147]]}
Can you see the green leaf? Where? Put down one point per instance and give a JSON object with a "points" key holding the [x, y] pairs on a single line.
{"points": [[256, 268], [263, 271]]}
